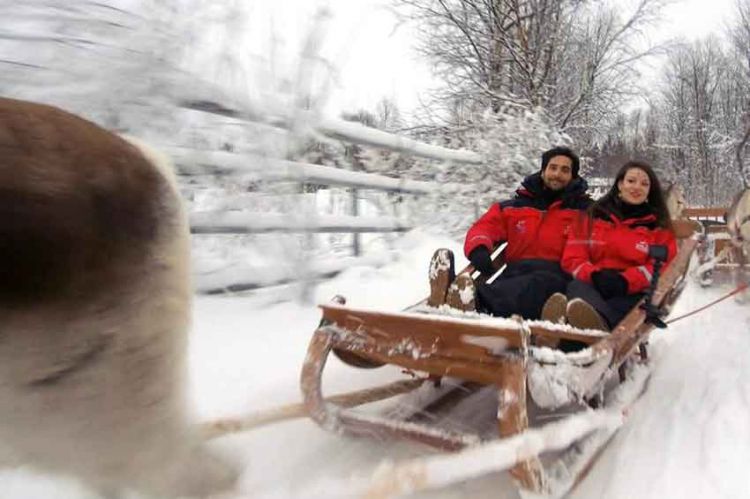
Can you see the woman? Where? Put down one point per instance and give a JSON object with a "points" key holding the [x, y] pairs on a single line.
{"points": [[607, 251]]}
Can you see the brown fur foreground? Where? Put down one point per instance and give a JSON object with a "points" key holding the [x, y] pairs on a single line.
{"points": [[94, 309]]}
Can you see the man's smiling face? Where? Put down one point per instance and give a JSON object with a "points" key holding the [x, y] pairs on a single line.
{"points": [[558, 173]]}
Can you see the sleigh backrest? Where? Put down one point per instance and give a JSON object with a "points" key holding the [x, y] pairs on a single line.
{"points": [[685, 228]]}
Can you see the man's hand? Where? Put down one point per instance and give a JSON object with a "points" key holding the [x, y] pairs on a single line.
{"points": [[481, 260], [610, 283]]}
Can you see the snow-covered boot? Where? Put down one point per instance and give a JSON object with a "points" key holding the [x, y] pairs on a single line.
{"points": [[462, 294], [442, 273], [583, 316]]}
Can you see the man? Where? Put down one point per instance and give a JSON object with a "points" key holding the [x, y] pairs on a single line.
{"points": [[534, 223]]}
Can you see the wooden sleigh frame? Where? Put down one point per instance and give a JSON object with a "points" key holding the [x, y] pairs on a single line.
{"points": [[478, 349], [719, 252]]}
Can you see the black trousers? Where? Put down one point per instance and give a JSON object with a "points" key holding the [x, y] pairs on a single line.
{"points": [[522, 289], [613, 310]]}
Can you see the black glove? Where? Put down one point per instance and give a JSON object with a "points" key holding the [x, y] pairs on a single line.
{"points": [[481, 260], [610, 283]]}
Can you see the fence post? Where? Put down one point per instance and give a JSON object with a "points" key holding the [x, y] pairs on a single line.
{"points": [[356, 241], [351, 151]]}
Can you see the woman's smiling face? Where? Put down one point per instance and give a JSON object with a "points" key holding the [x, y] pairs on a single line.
{"points": [[635, 186]]}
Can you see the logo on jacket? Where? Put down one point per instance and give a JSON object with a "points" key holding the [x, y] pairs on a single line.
{"points": [[642, 246], [521, 226]]}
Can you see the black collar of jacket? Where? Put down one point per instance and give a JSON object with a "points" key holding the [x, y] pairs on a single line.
{"points": [[573, 196], [638, 215]]}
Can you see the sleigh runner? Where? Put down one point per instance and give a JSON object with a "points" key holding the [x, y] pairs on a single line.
{"points": [[484, 350]]}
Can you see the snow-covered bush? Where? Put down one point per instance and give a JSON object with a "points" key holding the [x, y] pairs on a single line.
{"points": [[511, 143]]}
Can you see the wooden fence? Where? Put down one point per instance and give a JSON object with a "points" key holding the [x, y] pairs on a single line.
{"points": [[249, 166]]}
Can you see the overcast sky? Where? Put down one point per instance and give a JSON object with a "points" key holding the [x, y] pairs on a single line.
{"points": [[373, 57]]}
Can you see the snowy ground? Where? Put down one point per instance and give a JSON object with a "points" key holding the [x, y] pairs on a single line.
{"points": [[688, 436]]}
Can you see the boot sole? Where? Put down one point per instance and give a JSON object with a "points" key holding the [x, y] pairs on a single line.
{"points": [[555, 308], [441, 274]]}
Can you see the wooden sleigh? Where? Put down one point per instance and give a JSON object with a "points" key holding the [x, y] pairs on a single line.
{"points": [[720, 251], [483, 350]]}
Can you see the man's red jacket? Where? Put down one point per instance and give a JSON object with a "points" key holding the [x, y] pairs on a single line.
{"points": [[534, 223]]}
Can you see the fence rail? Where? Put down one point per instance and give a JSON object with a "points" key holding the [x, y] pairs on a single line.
{"points": [[195, 161], [228, 222], [713, 212], [336, 128]]}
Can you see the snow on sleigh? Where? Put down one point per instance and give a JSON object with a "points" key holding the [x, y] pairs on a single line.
{"points": [[474, 350]]}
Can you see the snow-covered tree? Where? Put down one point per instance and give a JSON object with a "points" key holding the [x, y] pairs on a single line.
{"points": [[98, 59], [740, 38], [511, 144], [574, 59], [698, 110]]}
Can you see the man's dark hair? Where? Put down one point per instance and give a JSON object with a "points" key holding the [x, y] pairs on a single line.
{"points": [[562, 151]]}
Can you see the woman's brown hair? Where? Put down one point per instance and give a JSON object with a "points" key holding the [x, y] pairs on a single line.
{"points": [[655, 197]]}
